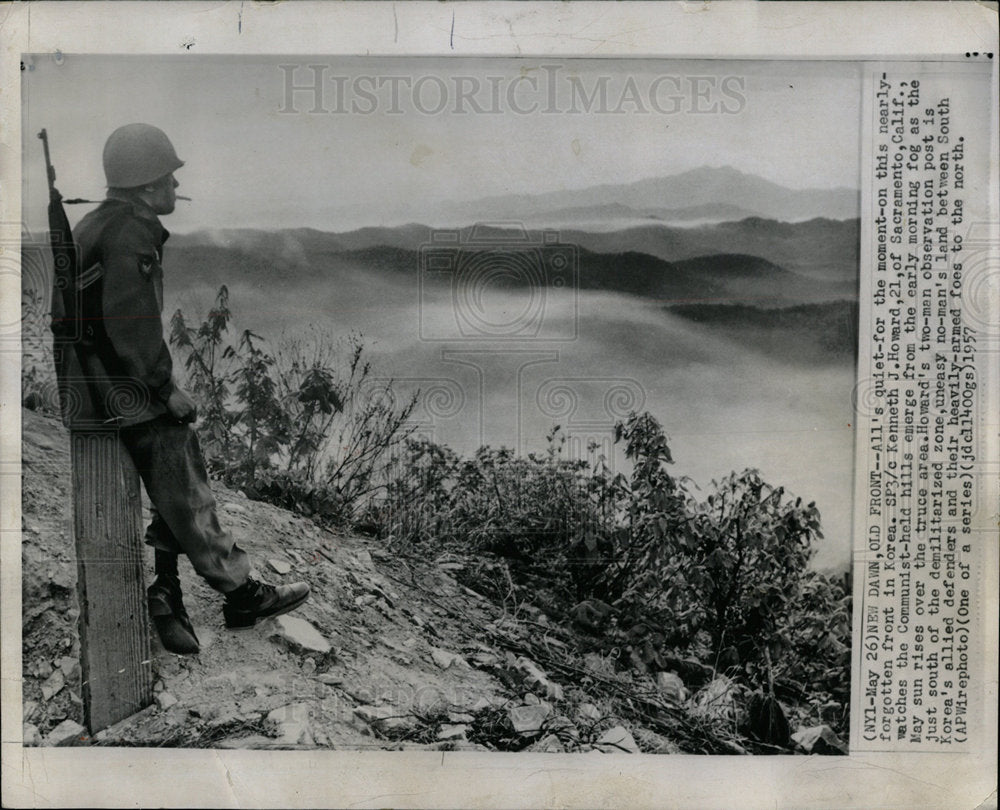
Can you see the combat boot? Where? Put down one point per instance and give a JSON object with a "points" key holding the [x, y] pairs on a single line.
{"points": [[255, 600], [166, 610]]}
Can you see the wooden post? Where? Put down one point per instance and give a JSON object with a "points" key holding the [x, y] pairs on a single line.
{"points": [[107, 516]]}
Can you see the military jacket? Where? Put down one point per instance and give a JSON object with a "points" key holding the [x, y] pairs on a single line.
{"points": [[121, 371]]}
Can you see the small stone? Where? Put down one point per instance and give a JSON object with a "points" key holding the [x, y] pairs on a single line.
{"points": [[31, 737], [486, 659], [480, 704], [70, 667], [445, 659], [43, 669], [159, 686], [616, 740], [298, 633], [68, 732], [365, 599], [454, 731], [308, 666], [460, 717], [206, 636], [655, 743], [819, 740], [671, 686], [292, 722], [534, 676], [528, 719], [563, 727], [718, 700], [29, 709], [236, 508], [549, 744], [165, 700], [531, 699], [589, 712], [330, 679], [53, 685], [280, 566], [384, 718]]}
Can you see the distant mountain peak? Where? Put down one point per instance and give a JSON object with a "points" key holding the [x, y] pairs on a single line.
{"points": [[707, 187]]}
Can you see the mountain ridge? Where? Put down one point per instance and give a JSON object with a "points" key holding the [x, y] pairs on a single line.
{"points": [[820, 248], [705, 185]]}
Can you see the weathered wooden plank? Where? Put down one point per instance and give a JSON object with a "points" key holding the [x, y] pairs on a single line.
{"points": [[114, 641]]}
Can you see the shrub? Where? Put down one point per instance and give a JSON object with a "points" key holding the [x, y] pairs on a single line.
{"points": [[305, 426], [723, 578]]}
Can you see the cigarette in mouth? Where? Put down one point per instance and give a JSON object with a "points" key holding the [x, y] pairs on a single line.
{"points": [[179, 197]]}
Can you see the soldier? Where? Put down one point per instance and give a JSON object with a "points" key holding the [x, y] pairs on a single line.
{"points": [[121, 245]]}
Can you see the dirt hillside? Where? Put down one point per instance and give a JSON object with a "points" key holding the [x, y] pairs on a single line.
{"points": [[397, 669], [408, 664], [390, 652]]}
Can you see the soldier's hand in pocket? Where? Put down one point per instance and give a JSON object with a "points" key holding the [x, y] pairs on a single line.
{"points": [[181, 406]]}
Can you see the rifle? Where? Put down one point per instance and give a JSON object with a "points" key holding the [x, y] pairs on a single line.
{"points": [[67, 302], [66, 259]]}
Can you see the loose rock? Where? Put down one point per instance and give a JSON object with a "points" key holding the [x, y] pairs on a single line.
{"points": [[53, 685], [671, 686], [529, 719], [452, 731], [563, 727], [588, 712], [616, 740], [655, 743], [534, 676], [165, 700], [384, 718], [292, 722], [279, 566], [549, 744], [445, 659], [819, 740], [68, 732], [298, 633], [31, 737], [717, 701]]}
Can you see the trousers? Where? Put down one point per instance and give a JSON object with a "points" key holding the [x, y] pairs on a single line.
{"points": [[170, 462]]}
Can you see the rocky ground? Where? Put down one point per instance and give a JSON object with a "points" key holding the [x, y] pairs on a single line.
{"points": [[389, 653]]}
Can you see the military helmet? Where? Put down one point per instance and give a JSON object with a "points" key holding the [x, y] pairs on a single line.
{"points": [[136, 154]]}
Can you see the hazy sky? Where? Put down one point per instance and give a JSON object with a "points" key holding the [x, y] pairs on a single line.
{"points": [[438, 130]]}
